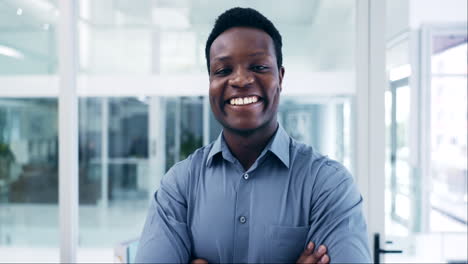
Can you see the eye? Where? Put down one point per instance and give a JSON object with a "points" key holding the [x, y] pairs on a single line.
{"points": [[222, 71], [259, 68]]}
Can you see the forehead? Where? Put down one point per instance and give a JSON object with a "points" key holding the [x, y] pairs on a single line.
{"points": [[241, 41]]}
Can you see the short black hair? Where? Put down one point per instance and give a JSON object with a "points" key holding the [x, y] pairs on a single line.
{"points": [[244, 17]]}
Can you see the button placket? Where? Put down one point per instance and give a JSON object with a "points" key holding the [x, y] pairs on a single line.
{"points": [[240, 247]]}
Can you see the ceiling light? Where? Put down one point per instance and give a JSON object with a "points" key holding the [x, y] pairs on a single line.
{"points": [[19, 11], [10, 52], [46, 26]]}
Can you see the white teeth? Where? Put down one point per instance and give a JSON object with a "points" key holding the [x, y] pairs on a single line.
{"points": [[243, 101]]}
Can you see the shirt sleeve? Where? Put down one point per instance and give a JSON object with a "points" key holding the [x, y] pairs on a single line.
{"points": [[337, 220], [165, 236]]}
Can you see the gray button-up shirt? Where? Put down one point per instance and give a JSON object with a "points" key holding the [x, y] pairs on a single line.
{"points": [[209, 207]]}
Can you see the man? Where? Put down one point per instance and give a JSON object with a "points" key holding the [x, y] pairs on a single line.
{"points": [[255, 194]]}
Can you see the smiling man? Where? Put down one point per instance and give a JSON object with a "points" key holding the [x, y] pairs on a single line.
{"points": [[255, 194]]}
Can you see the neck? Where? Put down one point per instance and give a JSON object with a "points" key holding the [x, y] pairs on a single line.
{"points": [[247, 147]]}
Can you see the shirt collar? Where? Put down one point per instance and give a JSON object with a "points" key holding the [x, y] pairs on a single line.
{"points": [[216, 148], [278, 145]]}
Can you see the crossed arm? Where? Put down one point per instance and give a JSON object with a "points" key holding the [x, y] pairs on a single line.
{"points": [[336, 222], [308, 256]]}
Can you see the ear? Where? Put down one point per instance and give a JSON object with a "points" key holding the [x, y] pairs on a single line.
{"points": [[281, 76]]}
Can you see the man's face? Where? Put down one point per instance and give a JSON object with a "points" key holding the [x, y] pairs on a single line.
{"points": [[245, 82]]}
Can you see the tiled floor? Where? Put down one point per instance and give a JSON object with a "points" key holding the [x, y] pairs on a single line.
{"points": [[51, 255], [447, 242], [37, 225]]}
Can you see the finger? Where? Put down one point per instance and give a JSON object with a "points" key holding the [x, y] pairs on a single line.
{"points": [[309, 249], [320, 252], [304, 258], [325, 259], [311, 259], [199, 261]]}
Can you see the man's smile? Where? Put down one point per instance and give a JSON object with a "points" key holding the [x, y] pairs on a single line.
{"points": [[243, 100]]}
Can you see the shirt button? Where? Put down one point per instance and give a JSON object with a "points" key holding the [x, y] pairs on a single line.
{"points": [[246, 176], [242, 219]]}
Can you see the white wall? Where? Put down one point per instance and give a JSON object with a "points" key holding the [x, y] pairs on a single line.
{"points": [[403, 15], [397, 13], [437, 11]]}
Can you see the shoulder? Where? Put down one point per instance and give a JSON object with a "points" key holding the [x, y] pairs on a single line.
{"points": [[324, 172], [309, 157], [184, 170]]}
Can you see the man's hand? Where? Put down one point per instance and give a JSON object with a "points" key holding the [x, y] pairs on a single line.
{"points": [[307, 257], [199, 261], [311, 257]]}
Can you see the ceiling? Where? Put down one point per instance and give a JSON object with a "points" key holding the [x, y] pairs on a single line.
{"points": [[317, 34]]}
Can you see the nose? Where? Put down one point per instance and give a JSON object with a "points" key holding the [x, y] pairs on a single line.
{"points": [[241, 78]]}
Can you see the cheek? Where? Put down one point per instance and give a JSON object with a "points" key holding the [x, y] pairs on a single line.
{"points": [[216, 90], [212, 93], [275, 91], [213, 103], [213, 97]]}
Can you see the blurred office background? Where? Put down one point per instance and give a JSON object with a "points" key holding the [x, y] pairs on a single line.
{"points": [[142, 103]]}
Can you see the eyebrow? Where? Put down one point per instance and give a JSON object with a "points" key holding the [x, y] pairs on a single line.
{"points": [[224, 58], [260, 53]]}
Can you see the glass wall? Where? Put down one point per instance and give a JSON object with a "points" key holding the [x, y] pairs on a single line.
{"points": [[142, 87], [320, 122], [449, 132], [426, 153], [28, 178], [113, 166], [29, 224], [28, 39], [156, 40]]}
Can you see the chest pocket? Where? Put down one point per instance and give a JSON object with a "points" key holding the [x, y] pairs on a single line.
{"points": [[286, 243]]}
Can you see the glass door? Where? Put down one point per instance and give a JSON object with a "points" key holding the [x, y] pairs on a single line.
{"points": [[401, 183], [426, 150]]}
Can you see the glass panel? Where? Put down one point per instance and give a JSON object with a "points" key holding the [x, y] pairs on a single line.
{"points": [[426, 214], [113, 182], [319, 122], [449, 153], [29, 224], [401, 185], [448, 144], [121, 188], [169, 36], [151, 38], [184, 126], [28, 37], [447, 51], [402, 140], [28, 180], [191, 123]]}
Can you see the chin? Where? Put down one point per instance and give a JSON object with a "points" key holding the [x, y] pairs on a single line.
{"points": [[245, 128]]}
